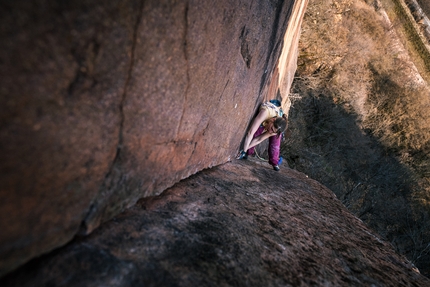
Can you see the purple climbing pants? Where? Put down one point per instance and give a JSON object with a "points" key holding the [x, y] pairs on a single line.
{"points": [[274, 147]]}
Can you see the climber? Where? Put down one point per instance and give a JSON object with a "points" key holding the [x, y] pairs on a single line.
{"points": [[270, 123]]}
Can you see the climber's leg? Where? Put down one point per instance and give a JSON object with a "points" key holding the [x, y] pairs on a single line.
{"points": [[274, 149]]}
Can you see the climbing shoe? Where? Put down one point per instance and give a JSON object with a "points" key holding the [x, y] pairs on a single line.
{"points": [[276, 167], [242, 155]]}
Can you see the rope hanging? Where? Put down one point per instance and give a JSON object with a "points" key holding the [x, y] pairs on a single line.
{"points": [[260, 158]]}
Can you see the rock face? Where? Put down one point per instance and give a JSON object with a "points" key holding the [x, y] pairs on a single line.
{"points": [[105, 102], [239, 224]]}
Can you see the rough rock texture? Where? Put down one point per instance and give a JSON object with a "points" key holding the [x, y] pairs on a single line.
{"points": [[239, 224], [106, 102]]}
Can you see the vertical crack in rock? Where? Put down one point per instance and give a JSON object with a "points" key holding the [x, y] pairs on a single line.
{"points": [[222, 94], [272, 40], [244, 47], [191, 156], [124, 95], [213, 111], [93, 207], [187, 69]]}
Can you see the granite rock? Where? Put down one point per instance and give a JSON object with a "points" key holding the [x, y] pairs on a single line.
{"points": [[238, 224], [106, 102]]}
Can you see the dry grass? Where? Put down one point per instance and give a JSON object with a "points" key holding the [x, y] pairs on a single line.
{"points": [[408, 35], [362, 127], [411, 32]]}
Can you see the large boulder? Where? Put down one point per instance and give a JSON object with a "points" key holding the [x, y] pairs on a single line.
{"points": [[105, 102], [238, 224]]}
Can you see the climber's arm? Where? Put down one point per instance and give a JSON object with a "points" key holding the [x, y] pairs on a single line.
{"points": [[262, 115], [257, 140]]}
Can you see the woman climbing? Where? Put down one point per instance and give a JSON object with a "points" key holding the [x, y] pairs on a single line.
{"points": [[269, 123]]}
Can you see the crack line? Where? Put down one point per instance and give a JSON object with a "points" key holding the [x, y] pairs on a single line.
{"points": [[184, 47], [124, 95], [93, 210]]}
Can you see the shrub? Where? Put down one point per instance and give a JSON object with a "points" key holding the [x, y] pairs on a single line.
{"points": [[362, 127]]}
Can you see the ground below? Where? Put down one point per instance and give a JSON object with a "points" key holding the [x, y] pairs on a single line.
{"points": [[360, 123]]}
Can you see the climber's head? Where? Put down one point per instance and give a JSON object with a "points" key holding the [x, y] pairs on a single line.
{"points": [[279, 125]]}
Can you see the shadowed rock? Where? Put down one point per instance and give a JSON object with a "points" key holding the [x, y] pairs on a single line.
{"points": [[239, 224], [105, 102]]}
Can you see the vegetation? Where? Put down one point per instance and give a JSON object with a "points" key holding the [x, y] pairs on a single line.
{"points": [[407, 31], [411, 33], [362, 125]]}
